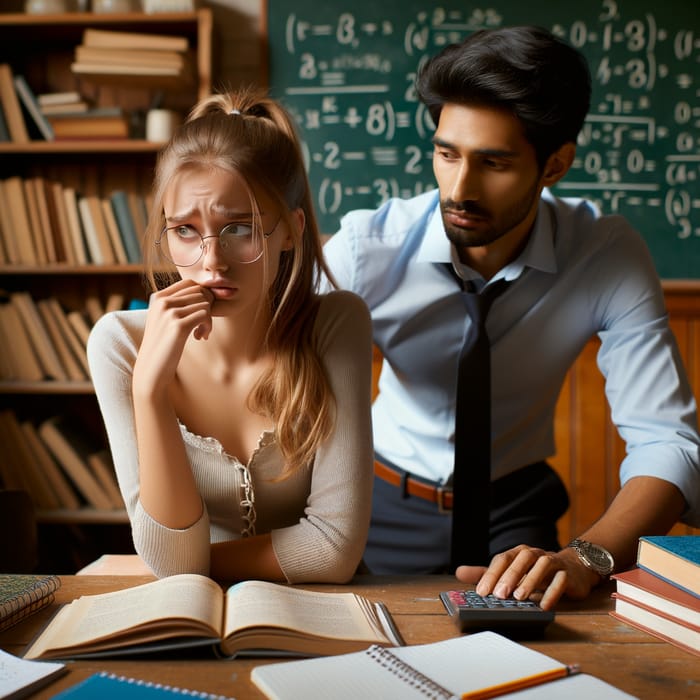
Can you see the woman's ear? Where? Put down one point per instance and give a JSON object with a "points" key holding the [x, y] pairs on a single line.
{"points": [[558, 164], [298, 225]]}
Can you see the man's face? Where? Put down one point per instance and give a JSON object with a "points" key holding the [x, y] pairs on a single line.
{"points": [[488, 177]]}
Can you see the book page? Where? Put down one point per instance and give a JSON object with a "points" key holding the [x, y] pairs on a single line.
{"points": [[332, 615], [482, 660], [183, 599]]}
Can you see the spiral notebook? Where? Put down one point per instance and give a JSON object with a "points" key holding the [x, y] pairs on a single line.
{"points": [[22, 595], [482, 665], [108, 686]]}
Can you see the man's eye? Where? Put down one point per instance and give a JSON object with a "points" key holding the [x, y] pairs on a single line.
{"points": [[237, 230]]}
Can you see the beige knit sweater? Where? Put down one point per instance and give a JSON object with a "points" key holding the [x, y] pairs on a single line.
{"points": [[318, 517]]}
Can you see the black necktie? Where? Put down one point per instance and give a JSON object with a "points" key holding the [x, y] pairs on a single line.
{"points": [[471, 479]]}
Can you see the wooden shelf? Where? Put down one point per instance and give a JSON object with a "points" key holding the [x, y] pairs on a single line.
{"points": [[42, 48], [83, 516], [46, 387], [41, 148]]}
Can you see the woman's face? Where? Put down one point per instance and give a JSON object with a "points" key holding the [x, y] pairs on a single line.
{"points": [[209, 211]]}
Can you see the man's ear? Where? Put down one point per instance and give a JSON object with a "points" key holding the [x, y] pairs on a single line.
{"points": [[558, 164], [298, 225]]}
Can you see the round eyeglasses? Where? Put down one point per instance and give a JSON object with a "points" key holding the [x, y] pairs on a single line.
{"points": [[184, 246]]}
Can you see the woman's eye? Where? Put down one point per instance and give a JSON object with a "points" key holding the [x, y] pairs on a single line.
{"points": [[238, 230], [185, 232]]}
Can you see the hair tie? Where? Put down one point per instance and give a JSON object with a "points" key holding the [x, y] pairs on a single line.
{"points": [[234, 111]]}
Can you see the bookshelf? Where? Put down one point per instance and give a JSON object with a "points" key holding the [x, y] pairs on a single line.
{"points": [[41, 48]]}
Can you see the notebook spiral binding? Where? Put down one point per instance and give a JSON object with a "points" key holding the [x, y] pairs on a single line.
{"points": [[420, 682], [162, 686]]}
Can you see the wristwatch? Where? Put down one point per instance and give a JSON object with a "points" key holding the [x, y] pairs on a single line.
{"points": [[594, 556]]}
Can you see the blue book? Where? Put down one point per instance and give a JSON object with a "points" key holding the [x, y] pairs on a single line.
{"points": [[673, 558], [108, 686], [127, 227]]}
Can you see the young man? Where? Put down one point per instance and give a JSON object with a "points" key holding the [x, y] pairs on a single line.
{"points": [[508, 105]]}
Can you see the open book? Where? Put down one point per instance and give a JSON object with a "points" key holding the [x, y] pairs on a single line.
{"points": [[481, 665], [191, 610]]}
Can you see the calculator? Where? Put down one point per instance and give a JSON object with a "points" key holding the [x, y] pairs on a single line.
{"points": [[471, 611]]}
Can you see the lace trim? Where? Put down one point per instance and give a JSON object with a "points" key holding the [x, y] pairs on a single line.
{"points": [[247, 502]]}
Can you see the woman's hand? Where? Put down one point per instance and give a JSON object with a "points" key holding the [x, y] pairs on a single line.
{"points": [[531, 573], [174, 313]]}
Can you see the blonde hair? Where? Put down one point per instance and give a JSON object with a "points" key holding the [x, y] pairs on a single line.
{"points": [[249, 133]]}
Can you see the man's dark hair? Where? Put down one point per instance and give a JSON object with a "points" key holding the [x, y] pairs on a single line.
{"points": [[527, 71]]}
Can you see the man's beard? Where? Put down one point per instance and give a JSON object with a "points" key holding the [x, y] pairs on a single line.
{"points": [[495, 229]]}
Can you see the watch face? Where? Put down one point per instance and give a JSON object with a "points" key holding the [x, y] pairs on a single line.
{"points": [[594, 557]]}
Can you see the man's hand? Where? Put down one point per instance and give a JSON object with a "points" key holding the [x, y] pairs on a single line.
{"points": [[530, 573]]}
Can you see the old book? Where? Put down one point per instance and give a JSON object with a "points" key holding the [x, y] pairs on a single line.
{"points": [[52, 323], [94, 308], [113, 231], [68, 445], [20, 349], [76, 344], [46, 99], [16, 449], [68, 108], [39, 336], [96, 123], [125, 69], [9, 240], [22, 595], [129, 57], [34, 222], [75, 225], [11, 106], [674, 558], [103, 469], [115, 302], [31, 106], [675, 630], [60, 483], [133, 40], [19, 219], [44, 221], [60, 222], [80, 326], [127, 227], [643, 588], [96, 236], [190, 610]]}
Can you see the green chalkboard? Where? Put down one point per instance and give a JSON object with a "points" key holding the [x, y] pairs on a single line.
{"points": [[346, 70]]}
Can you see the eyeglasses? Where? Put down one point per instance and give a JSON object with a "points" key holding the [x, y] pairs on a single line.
{"points": [[184, 246]]}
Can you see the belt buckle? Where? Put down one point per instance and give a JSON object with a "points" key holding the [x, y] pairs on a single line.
{"points": [[440, 492]]}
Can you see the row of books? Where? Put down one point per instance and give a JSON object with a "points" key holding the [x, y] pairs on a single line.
{"points": [[57, 464], [26, 116], [661, 596], [44, 221], [107, 53], [43, 341]]}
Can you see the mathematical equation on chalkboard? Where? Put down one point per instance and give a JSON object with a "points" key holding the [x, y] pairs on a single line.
{"points": [[347, 75]]}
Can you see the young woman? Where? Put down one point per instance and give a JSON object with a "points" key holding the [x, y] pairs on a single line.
{"points": [[238, 405]]}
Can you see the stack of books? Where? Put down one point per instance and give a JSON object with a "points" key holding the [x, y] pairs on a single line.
{"points": [[113, 53], [662, 595]]}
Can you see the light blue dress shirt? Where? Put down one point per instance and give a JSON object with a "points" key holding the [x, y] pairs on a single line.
{"points": [[580, 274]]}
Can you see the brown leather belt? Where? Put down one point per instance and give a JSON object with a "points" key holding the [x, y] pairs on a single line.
{"points": [[413, 487]]}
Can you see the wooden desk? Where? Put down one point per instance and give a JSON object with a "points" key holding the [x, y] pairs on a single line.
{"points": [[582, 633]]}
